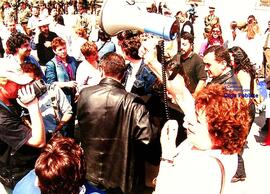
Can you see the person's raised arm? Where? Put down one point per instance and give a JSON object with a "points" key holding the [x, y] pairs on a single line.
{"points": [[27, 99], [175, 87]]}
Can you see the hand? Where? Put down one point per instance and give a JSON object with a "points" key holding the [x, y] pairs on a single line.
{"points": [[47, 44], [168, 137], [148, 49], [189, 122], [60, 125], [26, 95], [71, 84], [77, 95]]}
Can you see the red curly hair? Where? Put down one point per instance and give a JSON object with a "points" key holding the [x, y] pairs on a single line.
{"points": [[227, 115]]}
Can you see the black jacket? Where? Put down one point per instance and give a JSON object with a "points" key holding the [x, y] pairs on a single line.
{"points": [[113, 123], [230, 81], [45, 54]]}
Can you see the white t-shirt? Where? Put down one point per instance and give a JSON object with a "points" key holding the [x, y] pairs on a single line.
{"points": [[195, 171], [87, 75]]}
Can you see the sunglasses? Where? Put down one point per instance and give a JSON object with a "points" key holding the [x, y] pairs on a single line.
{"points": [[216, 31]]}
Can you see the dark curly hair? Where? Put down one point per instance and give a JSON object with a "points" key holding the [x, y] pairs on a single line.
{"points": [[242, 61], [227, 116], [131, 47], [32, 68], [15, 41]]}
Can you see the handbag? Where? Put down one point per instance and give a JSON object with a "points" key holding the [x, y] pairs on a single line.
{"points": [[222, 174]]}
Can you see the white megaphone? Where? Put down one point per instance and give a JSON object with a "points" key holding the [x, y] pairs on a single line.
{"points": [[119, 15]]}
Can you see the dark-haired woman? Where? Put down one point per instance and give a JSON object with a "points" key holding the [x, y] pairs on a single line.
{"points": [[245, 72]]}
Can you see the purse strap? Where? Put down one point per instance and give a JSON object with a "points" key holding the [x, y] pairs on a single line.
{"points": [[102, 46], [5, 106], [222, 174]]}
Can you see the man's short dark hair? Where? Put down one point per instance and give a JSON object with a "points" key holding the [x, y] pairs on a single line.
{"points": [[221, 53], [131, 47], [113, 65], [15, 41], [188, 36]]}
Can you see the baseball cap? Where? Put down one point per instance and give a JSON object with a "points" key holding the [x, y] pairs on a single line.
{"points": [[43, 22], [11, 72], [212, 7]]}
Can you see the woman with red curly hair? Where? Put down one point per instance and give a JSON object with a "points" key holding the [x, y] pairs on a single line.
{"points": [[214, 137], [217, 122]]}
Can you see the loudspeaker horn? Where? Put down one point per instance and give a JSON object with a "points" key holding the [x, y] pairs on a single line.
{"points": [[117, 16]]}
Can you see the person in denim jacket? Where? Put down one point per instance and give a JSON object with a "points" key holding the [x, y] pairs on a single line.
{"points": [[61, 70]]}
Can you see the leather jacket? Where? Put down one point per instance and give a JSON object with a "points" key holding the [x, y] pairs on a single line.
{"points": [[113, 123], [229, 80]]}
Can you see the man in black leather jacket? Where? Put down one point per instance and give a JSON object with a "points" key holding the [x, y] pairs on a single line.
{"points": [[114, 127], [218, 67]]}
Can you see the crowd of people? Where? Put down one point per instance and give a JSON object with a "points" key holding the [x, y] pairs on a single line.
{"points": [[82, 112]]}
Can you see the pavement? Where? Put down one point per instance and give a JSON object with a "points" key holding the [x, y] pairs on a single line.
{"points": [[257, 162]]}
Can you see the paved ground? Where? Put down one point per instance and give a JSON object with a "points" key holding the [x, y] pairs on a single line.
{"points": [[257, 162]]}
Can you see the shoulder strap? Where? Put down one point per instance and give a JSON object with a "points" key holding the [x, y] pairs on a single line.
{"points": [[223, 78], [52, 94], [222, 174], [102, 46], [5, 106]]}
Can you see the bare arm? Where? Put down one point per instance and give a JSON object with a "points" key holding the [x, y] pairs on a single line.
{"points": [[63, 106], [200, 85], [38, 138], [177, 89], [69, 84]]}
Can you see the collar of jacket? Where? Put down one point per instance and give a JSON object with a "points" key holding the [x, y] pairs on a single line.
{"points": [[221, 79], [111, 81]]}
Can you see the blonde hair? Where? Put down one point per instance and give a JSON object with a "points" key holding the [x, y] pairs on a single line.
{"points": [[80, 30]]}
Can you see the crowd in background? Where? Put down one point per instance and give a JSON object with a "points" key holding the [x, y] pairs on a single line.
{"points": [[76, 85]]}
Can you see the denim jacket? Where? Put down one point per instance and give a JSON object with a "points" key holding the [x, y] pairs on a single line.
{"points": [[57, 72], [144, 82]]}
